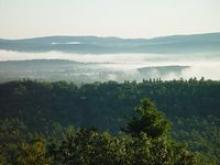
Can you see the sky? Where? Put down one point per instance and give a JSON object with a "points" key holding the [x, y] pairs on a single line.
{"points": [[121, 18]]}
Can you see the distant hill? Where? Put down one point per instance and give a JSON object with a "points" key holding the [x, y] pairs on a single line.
{"points": [[56, 70], [163, 70], [195, 43]]}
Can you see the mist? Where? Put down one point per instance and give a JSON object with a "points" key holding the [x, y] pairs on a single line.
{"points": [[105, 67]]}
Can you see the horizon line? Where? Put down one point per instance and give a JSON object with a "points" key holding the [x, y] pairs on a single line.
{"points": [[109, 36]]}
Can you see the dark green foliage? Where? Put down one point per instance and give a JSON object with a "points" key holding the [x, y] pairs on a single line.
{"points": [[148, 120], [104, 105], [201, 134], [89, 147], [192, 106], [12, 133]]}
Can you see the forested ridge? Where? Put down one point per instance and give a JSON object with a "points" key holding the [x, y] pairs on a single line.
{"points": [[30, 109]]}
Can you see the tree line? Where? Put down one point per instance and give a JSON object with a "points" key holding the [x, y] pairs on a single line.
{"points": [[45, 108]]}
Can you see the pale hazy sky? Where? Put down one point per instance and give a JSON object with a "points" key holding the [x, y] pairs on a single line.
{"points": [[123, 18]]}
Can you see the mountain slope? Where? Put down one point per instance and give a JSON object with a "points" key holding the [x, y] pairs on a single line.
{"points": [[195, 43]]}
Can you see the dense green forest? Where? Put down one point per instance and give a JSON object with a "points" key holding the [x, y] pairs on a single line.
{"points": [[35, 119]]}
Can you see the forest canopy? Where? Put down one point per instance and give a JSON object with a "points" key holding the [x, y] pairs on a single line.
{"points": [[32, 113]]}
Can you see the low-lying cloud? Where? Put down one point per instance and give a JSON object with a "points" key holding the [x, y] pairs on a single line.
{"points": [[120, 67]]}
